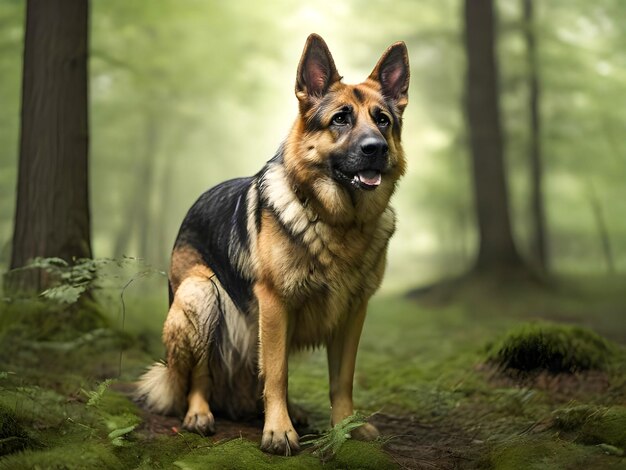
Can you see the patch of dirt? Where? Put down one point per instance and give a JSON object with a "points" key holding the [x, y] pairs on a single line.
{"points": [[416, 445], [562, 387], [411, 444], [154, 425]]}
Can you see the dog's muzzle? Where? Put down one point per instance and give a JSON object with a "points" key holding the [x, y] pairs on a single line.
{"points": [[364, 165]]}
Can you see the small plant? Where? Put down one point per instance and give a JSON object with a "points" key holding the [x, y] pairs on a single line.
{"points": [[119, 425], [96, 395], [72, 280], [330, 442]]}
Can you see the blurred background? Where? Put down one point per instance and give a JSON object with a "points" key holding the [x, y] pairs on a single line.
{"points": [[185, 94]]}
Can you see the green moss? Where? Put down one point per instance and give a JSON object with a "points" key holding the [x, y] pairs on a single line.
{"points": [[160, 452], [553, 348], [594, 424], [606, 427], [32, 404], [573, 418], [241, 454], [540, 453], [73, 456], [13, 436], [363, 455]]}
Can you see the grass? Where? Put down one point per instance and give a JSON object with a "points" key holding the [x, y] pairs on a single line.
{"points": [[420, 366]]}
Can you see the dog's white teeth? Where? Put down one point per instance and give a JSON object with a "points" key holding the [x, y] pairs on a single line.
{"points": [[370, 178], [355, 179]]}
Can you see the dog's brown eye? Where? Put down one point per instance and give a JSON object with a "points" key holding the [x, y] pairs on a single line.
{"points": [[382, 120], [340, 119]]}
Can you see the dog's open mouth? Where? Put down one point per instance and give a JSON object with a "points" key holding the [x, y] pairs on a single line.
{"points": [[364, 179]]}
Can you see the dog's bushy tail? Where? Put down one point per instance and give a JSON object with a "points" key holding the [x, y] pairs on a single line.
{"points": [[162, 390]]}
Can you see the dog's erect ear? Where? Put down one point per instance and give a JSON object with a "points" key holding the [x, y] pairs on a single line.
{"points": [[392, 72], [316, 72]]}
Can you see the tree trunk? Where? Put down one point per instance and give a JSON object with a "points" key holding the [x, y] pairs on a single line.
{"points": [[603, 231], [539, 247], [138, 208], [144, 215], [52, 208], [497, 249]]}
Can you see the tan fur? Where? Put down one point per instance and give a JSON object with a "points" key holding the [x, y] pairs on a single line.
{"points": [[183, 260]]}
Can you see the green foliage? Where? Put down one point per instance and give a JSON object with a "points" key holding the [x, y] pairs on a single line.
{"points": [[120, 423], [74, 279], [541, 454], [96, 395], [13, 436], [551, 347], [73, 456], [594, 425], [329, 442]]}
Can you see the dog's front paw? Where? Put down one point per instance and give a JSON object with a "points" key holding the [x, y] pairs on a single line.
{"points": [[280, 441], [200, 423], [366, 432]]}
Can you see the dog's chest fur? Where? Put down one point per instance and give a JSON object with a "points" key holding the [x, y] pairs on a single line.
{"points": [[322, 272]]}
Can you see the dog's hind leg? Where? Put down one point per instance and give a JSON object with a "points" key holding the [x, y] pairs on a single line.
{"points": [[199, 418], [184, 383], [198, 301]]}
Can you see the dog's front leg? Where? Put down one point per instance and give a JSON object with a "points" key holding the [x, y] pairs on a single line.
{"points": [[279, 436], [342, 348]]}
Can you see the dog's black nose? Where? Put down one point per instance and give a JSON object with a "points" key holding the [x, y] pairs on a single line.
{"points": [[374, 146]]}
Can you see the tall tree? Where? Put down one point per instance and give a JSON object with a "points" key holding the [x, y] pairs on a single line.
{"points": [[539, 247], [52, 208], [497, 250]]}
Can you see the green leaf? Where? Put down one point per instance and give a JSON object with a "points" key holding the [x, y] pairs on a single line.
{"points": [[116, 433]]}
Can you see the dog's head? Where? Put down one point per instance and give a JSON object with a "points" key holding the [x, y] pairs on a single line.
{"points": [[346, 142]]}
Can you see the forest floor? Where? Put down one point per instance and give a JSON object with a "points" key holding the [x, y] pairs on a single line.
{"points": [[423, 376]]}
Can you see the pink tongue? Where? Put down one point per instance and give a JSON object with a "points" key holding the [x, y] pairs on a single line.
{"points": [[370, 178]]}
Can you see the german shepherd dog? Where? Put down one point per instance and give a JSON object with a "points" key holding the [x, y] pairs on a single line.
{"points": [[287, 258]]}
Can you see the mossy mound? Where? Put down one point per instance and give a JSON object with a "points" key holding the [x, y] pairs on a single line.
{"points": [[538, 453], [363, 455], [552, 348], [244, 454], [594, 425]]}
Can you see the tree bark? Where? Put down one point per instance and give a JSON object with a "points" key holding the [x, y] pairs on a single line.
{"points": [[52, 209], [539, 248], [497, 249]]}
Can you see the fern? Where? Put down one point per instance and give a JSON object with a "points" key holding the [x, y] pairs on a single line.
{"points": [[96, 395], [328, 444], [119, 425], [71, 281]]}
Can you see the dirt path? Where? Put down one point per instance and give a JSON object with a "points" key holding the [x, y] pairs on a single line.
{"points": [[415, 445], [410, 444]]}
